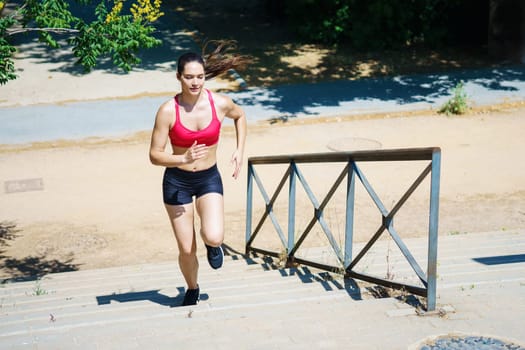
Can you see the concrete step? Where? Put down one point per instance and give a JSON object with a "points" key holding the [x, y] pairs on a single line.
{"points": [[463, 260], [65, 317], [199, 325], [85, 309], [263, 287]]}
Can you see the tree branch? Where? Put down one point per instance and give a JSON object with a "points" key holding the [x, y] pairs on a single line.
{"points": [[49, 30]]}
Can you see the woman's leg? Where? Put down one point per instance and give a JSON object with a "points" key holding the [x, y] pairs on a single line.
{"points": [[210, 208], [181, 218]]}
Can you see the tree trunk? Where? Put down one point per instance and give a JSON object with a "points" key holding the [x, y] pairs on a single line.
{"points": [[506, 37]]}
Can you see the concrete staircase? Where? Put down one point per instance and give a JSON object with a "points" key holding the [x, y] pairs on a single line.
{"points": [[253, 304]]}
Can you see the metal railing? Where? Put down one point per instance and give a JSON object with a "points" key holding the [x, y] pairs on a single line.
{"points": [[350, 172]]}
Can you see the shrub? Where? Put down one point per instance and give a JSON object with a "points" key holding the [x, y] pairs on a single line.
{"points": [[458, 103], [372, 24]]}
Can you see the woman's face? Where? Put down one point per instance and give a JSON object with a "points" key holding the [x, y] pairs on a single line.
{"points": [[192, 78]]}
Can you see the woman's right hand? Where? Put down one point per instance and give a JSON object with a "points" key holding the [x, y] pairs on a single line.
{"points": [[195, 152]]}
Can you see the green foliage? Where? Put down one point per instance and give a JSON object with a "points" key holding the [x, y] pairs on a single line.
{"points": [[120, 38], [458, 103], [371, 24], [111, 34], [47, 14], [7, 66], [38, 290], [319, 20]]}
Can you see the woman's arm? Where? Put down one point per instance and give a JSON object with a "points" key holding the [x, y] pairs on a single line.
{"points": [[236, 113]]}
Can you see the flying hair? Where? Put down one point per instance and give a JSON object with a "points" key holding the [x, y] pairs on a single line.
{"points": [[217, 58]]}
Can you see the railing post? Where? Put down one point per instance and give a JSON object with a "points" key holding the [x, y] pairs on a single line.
{"points": [[249, 204], [349, 225], [433, 230], [291, 209]]}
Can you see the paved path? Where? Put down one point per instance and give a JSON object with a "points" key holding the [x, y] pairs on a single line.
{"points": [[248, 304], [115, 118]]}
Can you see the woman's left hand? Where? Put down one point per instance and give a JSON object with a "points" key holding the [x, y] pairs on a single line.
{"points": [[236, 161]]}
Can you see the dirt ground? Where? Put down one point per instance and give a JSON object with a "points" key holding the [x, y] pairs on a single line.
{"points": [[97, 203]]}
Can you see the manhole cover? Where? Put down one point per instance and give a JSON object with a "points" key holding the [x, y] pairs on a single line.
{"points": [[469, 343], [346, 144]]}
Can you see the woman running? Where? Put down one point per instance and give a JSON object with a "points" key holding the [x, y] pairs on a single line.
{"points": [[191, 121]]}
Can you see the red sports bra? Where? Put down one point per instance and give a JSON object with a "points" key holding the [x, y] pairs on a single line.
{"points": [[181, 136]]}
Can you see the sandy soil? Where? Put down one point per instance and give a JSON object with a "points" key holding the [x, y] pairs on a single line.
{"points": [[97, 202], [100, 203]]}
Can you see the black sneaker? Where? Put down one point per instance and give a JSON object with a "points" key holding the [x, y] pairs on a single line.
{"points": [[215, 256], [191, 297]]}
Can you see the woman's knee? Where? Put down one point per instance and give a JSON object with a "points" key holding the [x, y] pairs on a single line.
{"points": [[213, 237]]}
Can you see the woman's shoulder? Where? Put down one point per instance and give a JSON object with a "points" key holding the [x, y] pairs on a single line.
{"points": [[221, 100], [166, 111], [168, 105]]}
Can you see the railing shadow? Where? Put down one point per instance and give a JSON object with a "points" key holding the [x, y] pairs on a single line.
{"points": [[501, 259], [325, 279], [328, 282], [303, 273]]}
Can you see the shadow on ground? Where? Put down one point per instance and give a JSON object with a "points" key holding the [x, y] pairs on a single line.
{"points": [[303, 273], [291, 100], [29, 268], [153, 296]]}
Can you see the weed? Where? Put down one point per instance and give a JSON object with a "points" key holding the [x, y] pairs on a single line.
{"points": [[389, 268], [326, 277], [379, 292], [455, 233], [283, 258], [458, 103], [38, 290]]}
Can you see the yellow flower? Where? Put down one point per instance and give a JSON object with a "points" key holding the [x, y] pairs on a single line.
{"points": [[115, 11], [145, 10]]}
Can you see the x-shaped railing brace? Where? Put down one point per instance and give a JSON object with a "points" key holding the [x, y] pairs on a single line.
{"points": [[350, 170]]}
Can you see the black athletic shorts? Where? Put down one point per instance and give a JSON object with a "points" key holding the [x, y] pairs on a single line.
{"points": [[179, 186]]}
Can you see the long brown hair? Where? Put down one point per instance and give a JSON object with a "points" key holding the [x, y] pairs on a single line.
{"points": [[219, 60]]}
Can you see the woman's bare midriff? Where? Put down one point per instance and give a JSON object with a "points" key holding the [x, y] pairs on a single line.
{"points": [[200, 164]]}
